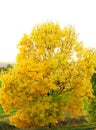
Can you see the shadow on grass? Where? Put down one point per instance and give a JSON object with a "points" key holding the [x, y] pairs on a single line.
{"points": [[6, 126], [88, 127]]}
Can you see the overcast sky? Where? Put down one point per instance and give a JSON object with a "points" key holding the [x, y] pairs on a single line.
{"points": [[19, 16]]}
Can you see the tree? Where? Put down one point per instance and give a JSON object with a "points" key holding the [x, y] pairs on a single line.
{"points": [[51, 78], [91, 108]]}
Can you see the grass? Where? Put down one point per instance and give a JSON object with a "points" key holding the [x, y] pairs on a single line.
{"points": [[89, 127], [6, 126]]}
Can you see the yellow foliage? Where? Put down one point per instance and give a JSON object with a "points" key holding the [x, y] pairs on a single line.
{"points": [[51, 77]]}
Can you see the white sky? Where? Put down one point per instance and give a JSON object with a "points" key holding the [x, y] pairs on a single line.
{"points": [[19, 16]]}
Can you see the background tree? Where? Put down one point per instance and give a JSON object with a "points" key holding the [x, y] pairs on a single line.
{"points": [[91, 108], [51, 78]]}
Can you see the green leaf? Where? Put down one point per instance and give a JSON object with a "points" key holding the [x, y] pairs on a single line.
{"points": [[0, 83], [51, 92]]}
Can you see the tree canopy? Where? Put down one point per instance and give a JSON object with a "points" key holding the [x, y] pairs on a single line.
{"points": [[51, 78]]}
